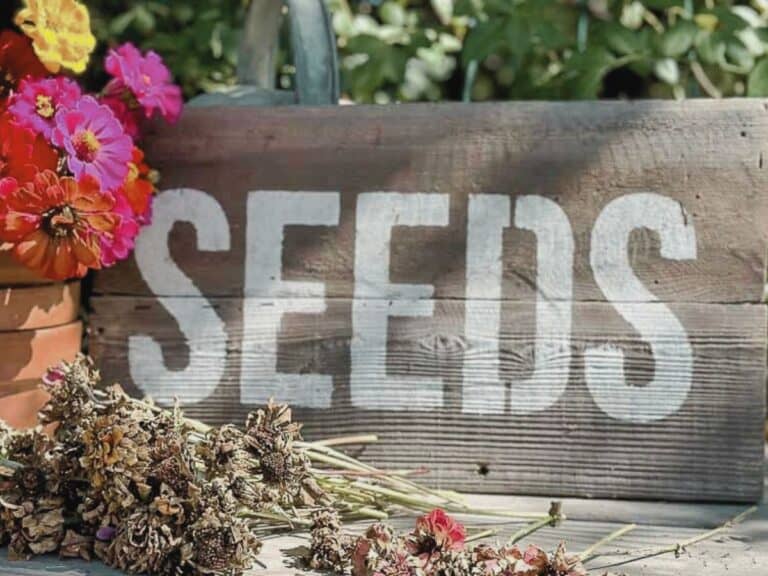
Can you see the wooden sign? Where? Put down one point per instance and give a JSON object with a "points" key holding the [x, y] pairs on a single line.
{"points": [[523, 298]]}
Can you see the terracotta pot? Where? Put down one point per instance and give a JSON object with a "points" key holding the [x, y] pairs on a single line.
{"points": [[39, 327], [12, 274]]}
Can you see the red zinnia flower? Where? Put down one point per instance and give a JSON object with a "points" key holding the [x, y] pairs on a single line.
{"points": [[17, 61], [53, 225], [22, 152]]}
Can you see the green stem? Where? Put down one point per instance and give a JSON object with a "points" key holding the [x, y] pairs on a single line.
{"points": [[530, 529], [589, 553], [291, 521], [481, 535], [344, 440], [678, 547]]}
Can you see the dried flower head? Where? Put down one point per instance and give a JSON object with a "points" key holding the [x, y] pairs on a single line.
{"points": [[330, 548], [38, 528], [70, 386], [145, 542], [76, 545], [270, 435], [219, 545]]}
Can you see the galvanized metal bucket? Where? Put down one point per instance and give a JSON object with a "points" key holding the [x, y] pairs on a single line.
{"points": [[314, 51]]}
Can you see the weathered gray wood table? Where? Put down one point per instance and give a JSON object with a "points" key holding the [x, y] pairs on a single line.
{"points": [[743, 549]]}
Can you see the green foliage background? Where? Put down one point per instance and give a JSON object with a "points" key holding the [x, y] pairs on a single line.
{"points": [[408, 50]]}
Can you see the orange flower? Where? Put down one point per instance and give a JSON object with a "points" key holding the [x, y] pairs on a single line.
{"points": [[53, 224], [138, 186]]}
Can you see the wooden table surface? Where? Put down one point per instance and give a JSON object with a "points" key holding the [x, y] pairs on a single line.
{"points": [[743, 549]]}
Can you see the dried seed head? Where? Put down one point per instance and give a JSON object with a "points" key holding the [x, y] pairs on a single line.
{"points": [[224, 450], [75, 545], [330, 548], [38, 528], [218, 544], [70, 386], [30, 480], [173, 472], [275, 468], [145, 542]]}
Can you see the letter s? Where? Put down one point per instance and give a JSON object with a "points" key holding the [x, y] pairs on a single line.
{"points": [[655, 322], [198, 322]]}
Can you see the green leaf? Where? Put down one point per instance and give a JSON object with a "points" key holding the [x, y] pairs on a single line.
{"points": [[120, 24], [216, 44], [518, 38], [727, 20], [663, 4], [667, 71], [585, 71], [145, 20], [740, 56], [444, 10], [711, 47], [622, 40], [483, 40], [677, 40], [392, 13], [757, 83]]}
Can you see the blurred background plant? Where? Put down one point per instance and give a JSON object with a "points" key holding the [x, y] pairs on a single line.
{"points": [[408, 50]]}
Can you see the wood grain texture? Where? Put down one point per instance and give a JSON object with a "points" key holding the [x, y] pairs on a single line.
{"points": [[710, 449], [706, 155], [704, 255], [743, 549]]}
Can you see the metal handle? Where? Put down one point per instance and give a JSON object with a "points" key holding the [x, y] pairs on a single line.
{"points": [[314, 49]]}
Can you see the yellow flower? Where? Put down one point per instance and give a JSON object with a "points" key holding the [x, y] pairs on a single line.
{"points": [[60, 31]]}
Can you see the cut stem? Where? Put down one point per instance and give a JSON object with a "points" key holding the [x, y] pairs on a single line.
{"points": [[553, 518], [589, 553], [678, 547], [529, 529], [344, 440], [481, 535]]}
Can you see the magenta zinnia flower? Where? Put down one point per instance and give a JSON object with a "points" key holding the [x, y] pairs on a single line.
{"points": [[95, 142], [38, 101], [146, 78], [119, 243]]}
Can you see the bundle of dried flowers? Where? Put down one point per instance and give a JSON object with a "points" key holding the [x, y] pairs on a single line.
{"points": [[147, 490], [436, 547]]}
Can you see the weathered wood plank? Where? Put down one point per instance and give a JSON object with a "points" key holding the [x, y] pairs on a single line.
{"points": [[707, 156], [741, 550], [523, 297], [711, 448]]}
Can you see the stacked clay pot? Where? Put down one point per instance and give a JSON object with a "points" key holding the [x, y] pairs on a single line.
{"points": [[39, 326]]}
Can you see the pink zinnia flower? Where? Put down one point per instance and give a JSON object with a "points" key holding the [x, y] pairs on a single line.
{"points": [[95, 142], [37, 102], [446, 532], [147, 79], [119, 243]]}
